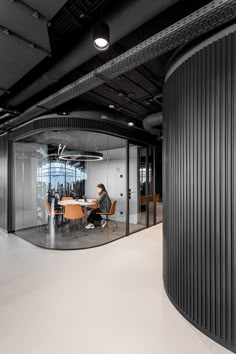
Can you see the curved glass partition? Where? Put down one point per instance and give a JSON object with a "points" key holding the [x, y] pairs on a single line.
{"points": [[56, 175]]}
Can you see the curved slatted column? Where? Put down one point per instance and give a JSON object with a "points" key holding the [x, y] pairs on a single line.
{"points": [[200, 188]]}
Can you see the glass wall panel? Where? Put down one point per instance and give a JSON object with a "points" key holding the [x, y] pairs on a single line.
{"points": [[29, 188], [137, 188], [43, 216], [111, 172], [55, 188]]}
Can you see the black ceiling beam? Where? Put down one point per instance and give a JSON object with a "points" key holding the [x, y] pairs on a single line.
{"points": [[142, 72], [125, 97], [132, 115], [116, 104], [133, 82], [23, 40], [141, 69], [29, 10]]}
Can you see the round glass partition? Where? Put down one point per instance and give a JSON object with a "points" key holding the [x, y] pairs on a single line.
{"points": [[58, 174]]}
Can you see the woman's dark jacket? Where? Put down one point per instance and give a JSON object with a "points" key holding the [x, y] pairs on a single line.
{"points": [[104, 202]]}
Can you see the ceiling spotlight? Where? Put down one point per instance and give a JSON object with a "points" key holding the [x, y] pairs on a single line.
{"points": [[101, 36], [131, 124], [111, 106], [131, 94], [35, 14]]}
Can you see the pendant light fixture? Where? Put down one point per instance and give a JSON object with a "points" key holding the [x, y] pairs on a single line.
{"points": [[76, 156], [101, 36]]}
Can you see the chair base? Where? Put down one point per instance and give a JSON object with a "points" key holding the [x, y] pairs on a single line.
{"points": [[113, 224]]}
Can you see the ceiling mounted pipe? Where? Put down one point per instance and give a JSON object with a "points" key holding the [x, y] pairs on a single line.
{"points": [[142, 11], [151, 121]]}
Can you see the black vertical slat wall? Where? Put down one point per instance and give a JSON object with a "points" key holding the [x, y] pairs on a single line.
{"points": [[3, 182], [199, 178]]}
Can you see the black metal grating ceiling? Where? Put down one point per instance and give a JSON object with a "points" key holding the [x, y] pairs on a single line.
{"points": [[72, 20], [181, 32], [116, 77]]}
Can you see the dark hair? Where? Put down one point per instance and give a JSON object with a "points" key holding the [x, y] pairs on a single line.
{"points": [[100, 185]]}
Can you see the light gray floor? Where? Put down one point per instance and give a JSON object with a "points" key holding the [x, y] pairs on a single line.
{"points": [[104, 300]]}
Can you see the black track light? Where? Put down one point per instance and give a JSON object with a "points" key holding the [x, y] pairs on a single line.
{"points": [[101, 36]]}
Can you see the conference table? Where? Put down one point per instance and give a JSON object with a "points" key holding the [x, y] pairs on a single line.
{"points": [[81, 202]]}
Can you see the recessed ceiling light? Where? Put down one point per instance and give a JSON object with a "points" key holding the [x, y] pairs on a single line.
{"points": [[131, 95], [35, 14], [131, 124], [111, 106]]}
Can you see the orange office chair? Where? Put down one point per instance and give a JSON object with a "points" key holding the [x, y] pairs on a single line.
{"points": [[56, 212], [74, 212], [65, 198], [112, 211]]}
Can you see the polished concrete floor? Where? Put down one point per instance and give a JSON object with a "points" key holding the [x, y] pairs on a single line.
{"points": [[71, 237], [104, 300]]}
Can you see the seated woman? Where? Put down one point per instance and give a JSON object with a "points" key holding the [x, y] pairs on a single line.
{"points": [[104, 203]]}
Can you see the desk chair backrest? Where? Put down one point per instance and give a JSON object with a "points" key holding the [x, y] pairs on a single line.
{"points": [[48, 207], [112, 208], [73, 211], [67, 198], [111, 211]]}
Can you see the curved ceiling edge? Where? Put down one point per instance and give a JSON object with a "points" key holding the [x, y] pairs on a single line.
{"points": [[82, 121], [221, 34]]}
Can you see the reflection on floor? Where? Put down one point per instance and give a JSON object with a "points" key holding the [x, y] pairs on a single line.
{"points": [[71, 237], [64, 238]]}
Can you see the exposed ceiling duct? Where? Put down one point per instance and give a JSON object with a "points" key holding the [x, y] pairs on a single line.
{"points": [[151, 122], [119, 24]]}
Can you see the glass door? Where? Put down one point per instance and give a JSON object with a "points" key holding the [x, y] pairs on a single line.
{"points": [[137, 188]]}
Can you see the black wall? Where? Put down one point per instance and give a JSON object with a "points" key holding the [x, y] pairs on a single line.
{"points": [[3, 182], [200, 189]]}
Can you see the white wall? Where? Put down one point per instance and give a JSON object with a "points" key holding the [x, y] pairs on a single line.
{"points": [[109, 172]]}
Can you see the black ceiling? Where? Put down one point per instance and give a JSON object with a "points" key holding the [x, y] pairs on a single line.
{"points": [[136, 94]]}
